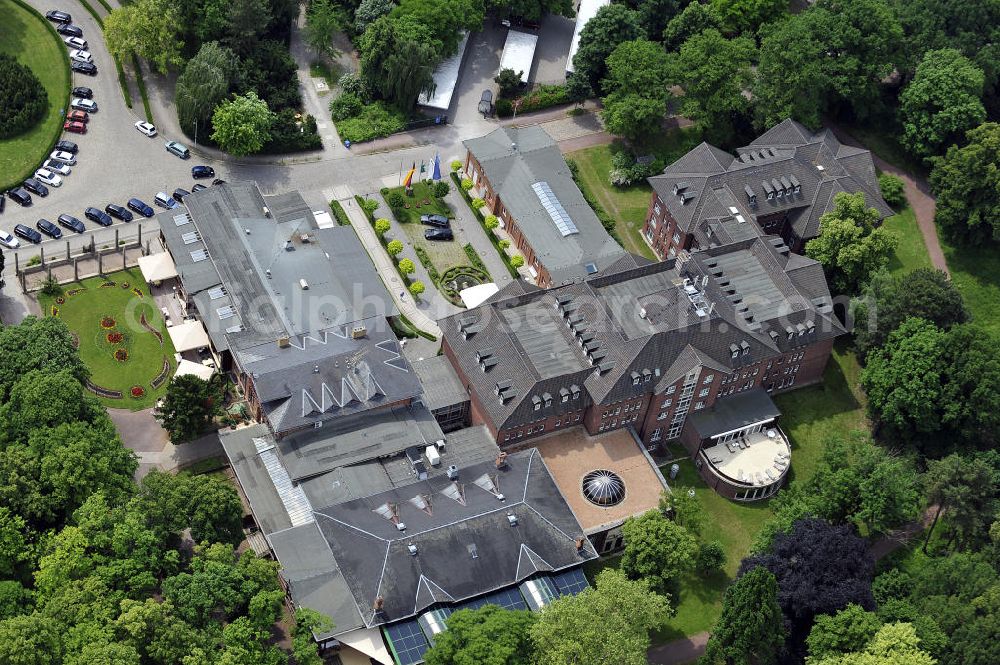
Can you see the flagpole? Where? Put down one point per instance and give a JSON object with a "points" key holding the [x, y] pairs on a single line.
{"points": [[399, 178]]}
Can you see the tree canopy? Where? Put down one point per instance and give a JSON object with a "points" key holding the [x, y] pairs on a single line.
{"points": [[612, 25], [636, 88], [606, 624], [242, 125], [850, 629], [489, 635], [750, 630], [893, 644], [147, 28], [693, 20], [189, 406], [941, 103], [206, 81], [745, 16], [657, 550], [966, 182]]}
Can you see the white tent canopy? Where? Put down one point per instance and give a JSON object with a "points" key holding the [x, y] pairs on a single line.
{"points": [[157, 267], [188, 335], [369, 642], [474, 296], [185, 367]]}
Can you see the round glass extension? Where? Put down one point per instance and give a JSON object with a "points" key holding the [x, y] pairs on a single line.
{"points": [[603, 488]]}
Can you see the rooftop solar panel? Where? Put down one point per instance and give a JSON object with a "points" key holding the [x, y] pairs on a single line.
{"points": [[407, 642], [570, 582]]}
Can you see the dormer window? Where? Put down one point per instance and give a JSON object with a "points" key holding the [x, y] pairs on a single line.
{"points": [[636, 378], [536, 402], [734, 350], [547, 398], [745, 348], [790, 332]]}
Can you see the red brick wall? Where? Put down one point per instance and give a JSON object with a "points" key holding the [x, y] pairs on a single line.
{"points": [[661, 238]]}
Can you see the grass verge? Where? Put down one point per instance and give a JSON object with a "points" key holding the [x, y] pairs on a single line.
{"points": [[975, 272], [27, 36], [911, 253], [83, 313], [422, 202], [141, 83]]}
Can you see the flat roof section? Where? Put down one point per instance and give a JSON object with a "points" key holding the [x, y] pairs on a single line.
{"points": [[586, 11], [519, 53], [445, 79], [572, 454]]}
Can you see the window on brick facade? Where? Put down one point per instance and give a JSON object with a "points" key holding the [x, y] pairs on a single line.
{"points": [[698, 406], [703, 393], [709, 379], [671, 390], [655, 436]]}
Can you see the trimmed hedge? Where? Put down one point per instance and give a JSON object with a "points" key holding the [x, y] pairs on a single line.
{"points": [[475, 259], [375, 121], [489, 234], [339, 213], [542, 97]]}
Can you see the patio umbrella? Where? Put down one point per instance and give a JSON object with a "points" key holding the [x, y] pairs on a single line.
{"points": [[436, 175]]}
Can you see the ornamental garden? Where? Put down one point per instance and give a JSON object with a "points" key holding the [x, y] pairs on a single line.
{"points": [[120, 334]]}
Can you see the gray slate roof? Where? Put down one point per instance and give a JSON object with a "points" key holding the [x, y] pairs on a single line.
{"points": [[818, 162], [441, 384], [638, 321], [512, 172], [466, 545]]}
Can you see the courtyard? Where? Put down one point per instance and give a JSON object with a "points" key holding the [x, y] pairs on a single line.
{"points": [[121, 336]]}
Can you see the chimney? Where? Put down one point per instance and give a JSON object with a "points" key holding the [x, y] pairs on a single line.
{"points": [[501, 460], [378, 604], [579, 544], [512, 519], [284, 342]]}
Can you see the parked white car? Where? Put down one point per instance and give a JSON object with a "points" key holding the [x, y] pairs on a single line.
{"points": [[57, 167], [64, 157], [146, 128], [81, 104], [76, 43], [8, 241], [48, 177], [80, 55]]}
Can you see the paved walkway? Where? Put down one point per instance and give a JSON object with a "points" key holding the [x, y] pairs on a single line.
{"points": [[142, 433], [918, 193], [383, 263], [314, 103], [469, 230]]}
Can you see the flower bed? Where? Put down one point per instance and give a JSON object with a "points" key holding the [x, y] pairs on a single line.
{"points": [[462, 277], [121, 355], [108, 322], [137, 392], [60, 300], [55, 311], [137, 293], [115, 337], [109, 285], [125, 285], [74, 292]]}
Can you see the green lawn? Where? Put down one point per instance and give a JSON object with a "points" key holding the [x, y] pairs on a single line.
{"points": [[882, 140], [628, 206], [422, 192], [443, 254], [84, 311], [975, 271], [911, 252], [26, 36]]}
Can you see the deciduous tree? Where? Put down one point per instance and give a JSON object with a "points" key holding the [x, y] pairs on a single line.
{"points": [[657, 551], [750, 630], [893, 644], [489, 635], [147, 28], [693, 20], [242, 125], [745, 16], [963, 487], [607, 624], [850, 629], [966, 182], [323, 21], [206, 80], [612, 25], [941, 103], [397, 59], [636, 88], [369, 11], [715, 73], [189, 407]]}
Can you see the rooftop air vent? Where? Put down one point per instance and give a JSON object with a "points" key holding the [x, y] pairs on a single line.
{"points": [[512, 519], [680, 187], [412, 549], [304, 284], [400, 526]]}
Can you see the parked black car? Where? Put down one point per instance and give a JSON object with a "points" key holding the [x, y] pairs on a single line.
{"points": [[439, 221], [57, 16], [202, 171], [3, 202], [69, 30], [67, 146], [27, 233], [140, 207], [36, 187], [88, 68], [48, 228], [22, 197], [98, 215], [218, 181], [198, 187], [486, 103], [179, 194], [72, 223], [118, 211], [439, 234], [83, 92]]}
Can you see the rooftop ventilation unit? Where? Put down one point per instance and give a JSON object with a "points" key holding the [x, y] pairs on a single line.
{"points": [[400, 526], [304, 284], [266, 211], [412, 549], [359, 331], [487, 364], [512, 519], [679, 187]]}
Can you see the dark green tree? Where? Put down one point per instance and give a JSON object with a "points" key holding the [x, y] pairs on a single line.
{"points": [[444, 19], [848, 630], [612, 25], [715, 73], [693, 20], [323, 21], [489, 635], [750, 630], [398, 57], [636, 89], [44, 343], [655, 14], [941, 103], [509, 82], [966, 182], [532, 10], [189, 407], [657, 551], [304, 647], [964, 488], [214, 510], [206, 81], [746, 16]]}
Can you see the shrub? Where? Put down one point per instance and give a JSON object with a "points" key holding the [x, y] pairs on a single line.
{"points": [[517, 261], [395, 199], [51, 287], [504, 108], [441, 189], [34, 260], [543, 97], [417, 288], [425, 261], [340, 214], [25, 100], [456, 165], [369, 206], [406, 267], [491, 221], [508, 81], [478, 203], [374, 121], [466, 184], [352, 84], [893, 190], [382, 226], [345, 105], [710, 557], [503, 244], [625, 171], [288, 134], [394, 247], [474, 259]]}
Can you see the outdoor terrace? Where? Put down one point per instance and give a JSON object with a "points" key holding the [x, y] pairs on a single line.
{"points": [[751, 462]]}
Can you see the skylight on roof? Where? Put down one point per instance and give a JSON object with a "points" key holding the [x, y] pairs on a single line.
{"points": [[216, 292], [190, 237], [182, 219], [226, 312], [554, 208], [199, 255]]}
